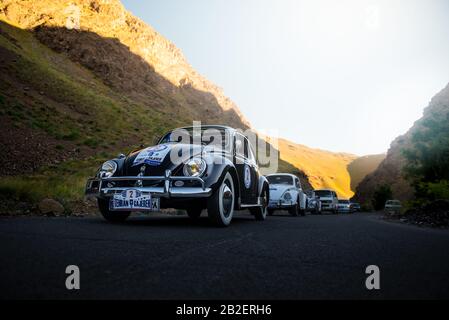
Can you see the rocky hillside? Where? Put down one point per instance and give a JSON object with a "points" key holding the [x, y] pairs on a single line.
{"points": [[121, 50], [390, 170]]}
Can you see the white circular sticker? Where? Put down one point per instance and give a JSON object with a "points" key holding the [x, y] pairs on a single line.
{"points": [[247, 177]]}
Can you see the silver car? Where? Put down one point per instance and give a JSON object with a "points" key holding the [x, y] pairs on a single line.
{"points": [[393, 206], [328, 199]]}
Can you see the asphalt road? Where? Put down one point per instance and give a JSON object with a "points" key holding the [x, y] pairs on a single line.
{"points": [[312, 257]]}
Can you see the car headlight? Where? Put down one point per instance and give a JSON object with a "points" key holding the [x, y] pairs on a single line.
{"points": [[107, 169], [195, 167], [287, 196]]}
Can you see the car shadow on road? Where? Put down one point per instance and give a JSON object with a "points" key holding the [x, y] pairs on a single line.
{"points": [[177, 221]]}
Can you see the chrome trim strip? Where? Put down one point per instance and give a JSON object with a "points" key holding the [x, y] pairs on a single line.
{"points": [[153, 178], [175, 192], [249, 205]]}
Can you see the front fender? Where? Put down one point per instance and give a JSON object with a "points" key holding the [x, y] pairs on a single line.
{"points": [[263, 182], [216, 174]]}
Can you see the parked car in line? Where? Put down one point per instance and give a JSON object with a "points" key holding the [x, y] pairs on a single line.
{"points": [[356, 207], [393, 206], [192, 168], [328, 199], [344, 206], [286, 193], [313, 203]]}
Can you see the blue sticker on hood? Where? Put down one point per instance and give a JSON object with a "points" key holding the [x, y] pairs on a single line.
{"points": [[152, 156]]}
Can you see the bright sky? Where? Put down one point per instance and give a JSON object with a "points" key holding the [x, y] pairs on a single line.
{"points": [[338, 75]]}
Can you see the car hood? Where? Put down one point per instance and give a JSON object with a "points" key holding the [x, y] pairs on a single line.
{"points": [[277, 190], [159, 158]]}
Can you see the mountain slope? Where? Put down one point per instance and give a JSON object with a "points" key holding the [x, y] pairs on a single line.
{"points": [[361, 167], [324, 169], [126, 54], [390, 171]]}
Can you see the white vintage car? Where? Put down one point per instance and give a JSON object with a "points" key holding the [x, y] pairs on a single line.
{"points": [[286, 193]]}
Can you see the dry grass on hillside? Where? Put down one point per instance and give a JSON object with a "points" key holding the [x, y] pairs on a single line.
{"points": [[325, 169]]}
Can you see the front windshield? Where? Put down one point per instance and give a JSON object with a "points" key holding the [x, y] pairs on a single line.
{"points": [[280, 180], [217, 138], [323, 193]]}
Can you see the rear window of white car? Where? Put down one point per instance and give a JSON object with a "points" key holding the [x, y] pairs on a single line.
{"points": [[323, 193], [280, 180], [394, 202]]}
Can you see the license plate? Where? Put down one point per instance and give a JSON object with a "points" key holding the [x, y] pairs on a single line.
{"points": [[134, 200]]}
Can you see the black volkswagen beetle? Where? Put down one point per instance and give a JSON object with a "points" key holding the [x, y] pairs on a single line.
{"points": [[192, 168]]}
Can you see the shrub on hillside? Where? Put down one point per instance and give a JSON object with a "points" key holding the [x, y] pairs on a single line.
{"points": [[427, 159]]}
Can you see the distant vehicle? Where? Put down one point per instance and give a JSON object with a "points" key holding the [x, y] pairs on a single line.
{"points": [[356, 207], [286, 193], [344, 206], [393, 206], [313, 203], [328, 199]]}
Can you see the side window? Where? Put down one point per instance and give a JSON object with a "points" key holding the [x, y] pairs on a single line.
{"points": [[298, 183], [249, 151], [240, 145], [246, 148]]}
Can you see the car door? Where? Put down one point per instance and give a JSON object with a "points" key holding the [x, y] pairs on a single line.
{"points": [[246, 169]]}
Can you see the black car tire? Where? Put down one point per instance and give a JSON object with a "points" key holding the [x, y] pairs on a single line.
{"points": [[302, 212], [293, 210], [260, 213], [220, 206], [270, 212], [194, 213], [112, 216]]}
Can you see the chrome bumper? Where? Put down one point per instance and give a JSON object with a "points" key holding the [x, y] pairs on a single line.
{"points": [[97, 187], [280, 204]]}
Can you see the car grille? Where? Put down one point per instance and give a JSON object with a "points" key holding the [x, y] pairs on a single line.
{"points": [[132, 184]]}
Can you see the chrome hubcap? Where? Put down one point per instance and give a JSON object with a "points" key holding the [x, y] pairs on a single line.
{"points": [[264, 200], [227, 200]]}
